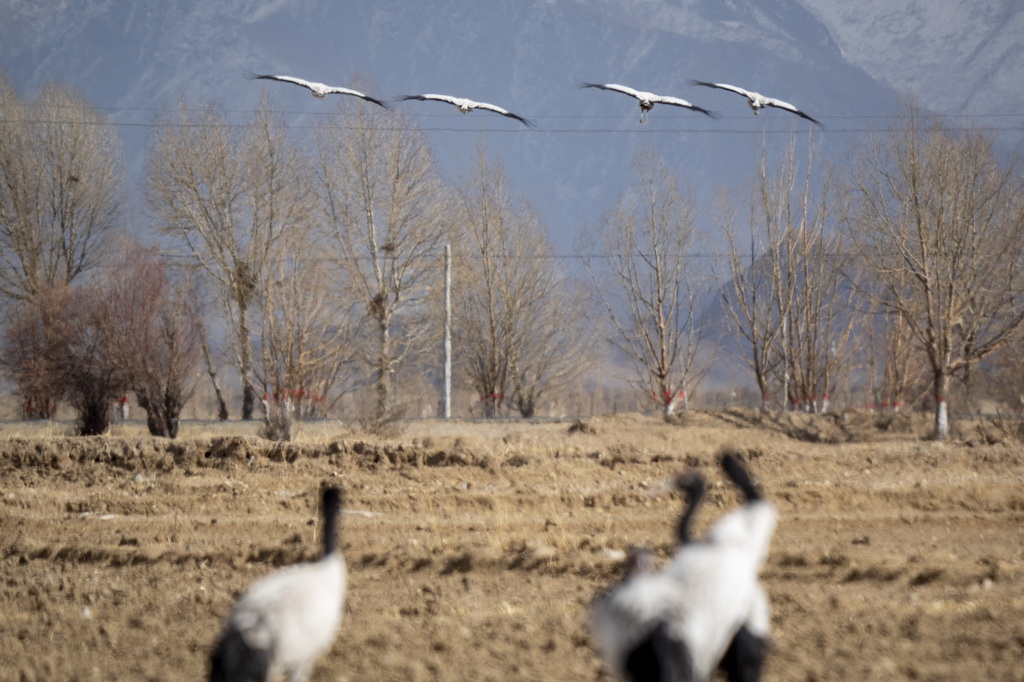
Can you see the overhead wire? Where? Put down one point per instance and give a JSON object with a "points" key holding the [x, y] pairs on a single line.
{"points": [[784, 126]]}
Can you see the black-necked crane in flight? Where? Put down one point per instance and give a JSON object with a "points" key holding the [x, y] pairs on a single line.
{"points": [[466, 105], [319, 90], [756, 100], [647, 100]]}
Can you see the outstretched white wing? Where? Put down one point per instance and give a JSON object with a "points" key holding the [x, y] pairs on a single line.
{"points": [[624, 89], [310, 85], [779, 104], [439, 98], [725, 86], [504, 112], [679, 102]]}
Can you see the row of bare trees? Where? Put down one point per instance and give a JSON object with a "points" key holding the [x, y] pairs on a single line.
{"points": [[937, 221], [520, 326], [784, 292], [129, 330], [915, 252], [318, 262], [327, 261], [642, 267]]}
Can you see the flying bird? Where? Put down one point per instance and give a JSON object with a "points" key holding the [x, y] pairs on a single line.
{"points": [[647, 100], [466, 105], [287, 619], [319, 89], [756, 100]]}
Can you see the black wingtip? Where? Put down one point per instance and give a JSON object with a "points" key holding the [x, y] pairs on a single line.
{"points": [[806, 116]]}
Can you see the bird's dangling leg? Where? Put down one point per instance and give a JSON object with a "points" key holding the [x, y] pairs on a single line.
{"points": [[643, 117]]}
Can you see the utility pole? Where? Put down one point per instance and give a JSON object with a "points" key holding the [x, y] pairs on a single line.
{"points": [[447, 331]]}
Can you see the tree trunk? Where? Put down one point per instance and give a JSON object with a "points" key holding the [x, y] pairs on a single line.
{"points": [[941, 405], [163, 414], [222, 406], [245, 363], [383, 388], [94, 418]]}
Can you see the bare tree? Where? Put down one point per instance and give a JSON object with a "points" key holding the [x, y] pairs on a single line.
{"points": [[211, 371], [650, 288], [155, 327], [785, 295], [128, 329], [519, 328], [750, 299], [90, 361], [306, 337], [1006, 378], [77, 352], [938, 223], [60, 190], [228, 197], [894, 363], [819, 324], [385, 210], [33, 337]]}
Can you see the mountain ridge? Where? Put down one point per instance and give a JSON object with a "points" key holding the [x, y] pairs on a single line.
{"points": [[134, 60]]}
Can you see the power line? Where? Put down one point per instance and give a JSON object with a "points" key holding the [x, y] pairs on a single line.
{"points": [[515, 131], [631, 116]]}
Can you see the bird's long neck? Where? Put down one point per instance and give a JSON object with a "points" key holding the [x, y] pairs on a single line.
{"points": [[331, 513], [683, 531]]}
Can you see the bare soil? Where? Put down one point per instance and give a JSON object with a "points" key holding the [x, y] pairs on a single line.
{"points": [[475, 549]]}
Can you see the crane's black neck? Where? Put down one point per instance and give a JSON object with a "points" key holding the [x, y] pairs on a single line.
{"points": [[693, 486], [331, 511]]}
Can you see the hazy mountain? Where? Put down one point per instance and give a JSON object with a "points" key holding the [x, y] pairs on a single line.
{"points": [[839, 61], [957, 56]]}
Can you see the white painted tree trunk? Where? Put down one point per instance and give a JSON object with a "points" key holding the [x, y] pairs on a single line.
{"points": [[942, 420], [941, 406]]}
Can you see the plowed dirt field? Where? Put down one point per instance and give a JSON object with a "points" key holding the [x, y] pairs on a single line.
{"points": [[474, 549]]}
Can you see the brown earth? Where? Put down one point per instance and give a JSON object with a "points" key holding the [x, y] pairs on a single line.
{"points": [[474, 549]]}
